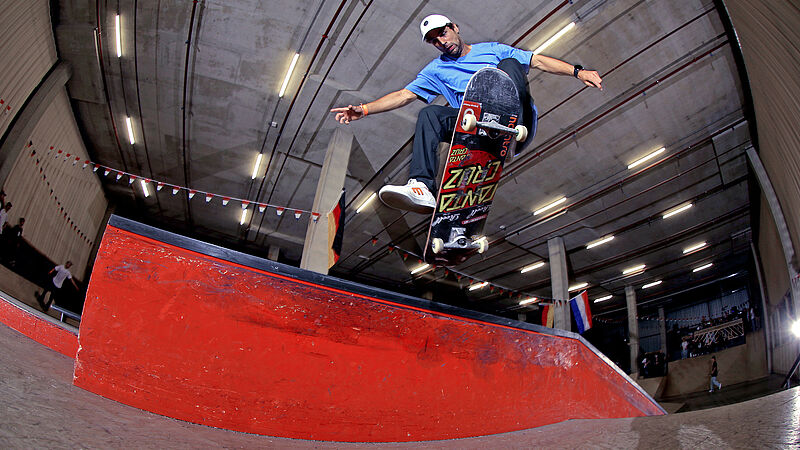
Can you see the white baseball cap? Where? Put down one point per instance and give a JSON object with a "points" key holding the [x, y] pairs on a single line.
{"points": [[431, 22]]}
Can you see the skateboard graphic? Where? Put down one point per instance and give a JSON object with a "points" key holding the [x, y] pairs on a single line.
{"points": [[485, 132]]}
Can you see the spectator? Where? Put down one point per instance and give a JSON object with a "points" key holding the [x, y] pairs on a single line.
{"points": [[4, 216], [61, 274], [684, 348], [714, 372], [2, 199], [13, 238]]}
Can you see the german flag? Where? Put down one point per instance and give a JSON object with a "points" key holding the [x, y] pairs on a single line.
{"points": [[335, 231], [548, 313]]}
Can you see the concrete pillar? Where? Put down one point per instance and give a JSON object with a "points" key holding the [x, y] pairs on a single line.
{"points": [[662, 328], [274, 252], [28, 117], [560, 283], [633, 326], [766, 325], [329, 188]]}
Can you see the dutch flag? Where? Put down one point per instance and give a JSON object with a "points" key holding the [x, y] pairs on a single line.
{"points": [[581, 311]]}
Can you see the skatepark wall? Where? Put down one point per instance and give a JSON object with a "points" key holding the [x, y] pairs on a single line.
{"points": [[766, 33], [208, 335], [738, 364]]}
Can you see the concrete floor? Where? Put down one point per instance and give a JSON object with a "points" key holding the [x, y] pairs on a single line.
{"points": [[40, 408]]}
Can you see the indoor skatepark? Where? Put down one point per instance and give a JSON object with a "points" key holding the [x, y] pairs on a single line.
{"points": [[183, 157]]}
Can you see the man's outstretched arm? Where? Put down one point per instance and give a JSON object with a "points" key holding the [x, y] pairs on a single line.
{"points": [[551, 65], [388, 102]]}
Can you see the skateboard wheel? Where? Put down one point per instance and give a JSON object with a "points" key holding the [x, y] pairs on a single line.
{"points": [[468, 122], [483, 245], [522, 133], [437, 244]]}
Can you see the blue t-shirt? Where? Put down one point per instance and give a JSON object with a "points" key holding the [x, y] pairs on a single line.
{"points": [[449, 77]]}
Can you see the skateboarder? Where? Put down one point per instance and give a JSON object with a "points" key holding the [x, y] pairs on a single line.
{"points": [[55, 285], [448, 75]]}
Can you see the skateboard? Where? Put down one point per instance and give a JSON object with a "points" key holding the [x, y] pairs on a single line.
{"points": [[485, 132]]}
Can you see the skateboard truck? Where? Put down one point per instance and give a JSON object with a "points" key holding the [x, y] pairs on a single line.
{"points": [[459, 241], [469, 122]]}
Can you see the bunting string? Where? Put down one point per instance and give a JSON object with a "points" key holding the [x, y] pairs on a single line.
{"points": [[5, 109], [656, 319], [54, 196], [160, 185]]}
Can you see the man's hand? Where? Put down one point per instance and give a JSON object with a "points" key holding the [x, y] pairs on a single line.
{"points": [[591, 78], [551, 65], [348, 113], [388, 102]]}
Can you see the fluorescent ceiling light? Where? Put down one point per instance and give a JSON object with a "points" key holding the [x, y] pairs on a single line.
{"points": [[420, 268], [244, 217], [599, 242], [649, 285], [647, 158], [119, 37], [634, 269], [533, 266], [694, 247], [478, 286], [550, 206], [288, 74], [554, 38], [256, 166], [578, 286], [796, 328], [602, 299], [698, 269], [366, 202], [529, 301], [130, 129], [677, 210], [144, 189]]}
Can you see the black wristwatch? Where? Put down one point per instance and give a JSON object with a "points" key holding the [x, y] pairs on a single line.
{"points": [[577, 68]]}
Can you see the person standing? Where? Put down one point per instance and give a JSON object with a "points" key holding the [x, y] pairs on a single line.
{"points": [[714, 373], [62, 273], [4, 215], [684, 348], [12, 238]]}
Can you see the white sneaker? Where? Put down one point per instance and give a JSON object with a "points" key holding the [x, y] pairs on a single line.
{"points": [[414, 196]]}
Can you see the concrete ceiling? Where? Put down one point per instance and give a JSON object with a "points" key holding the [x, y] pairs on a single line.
{"points": [[200, 81]]}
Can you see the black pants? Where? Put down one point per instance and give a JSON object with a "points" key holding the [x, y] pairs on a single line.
{"points": [[54, 292], [436, 123]]}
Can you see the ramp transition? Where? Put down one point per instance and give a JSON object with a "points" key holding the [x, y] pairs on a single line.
{"points": [[212, 336]]}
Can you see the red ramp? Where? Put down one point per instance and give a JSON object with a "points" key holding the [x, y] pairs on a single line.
{"points": [[208, 335]]}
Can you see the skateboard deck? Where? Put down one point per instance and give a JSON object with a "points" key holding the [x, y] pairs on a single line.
{"points": [[474, 166]]}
